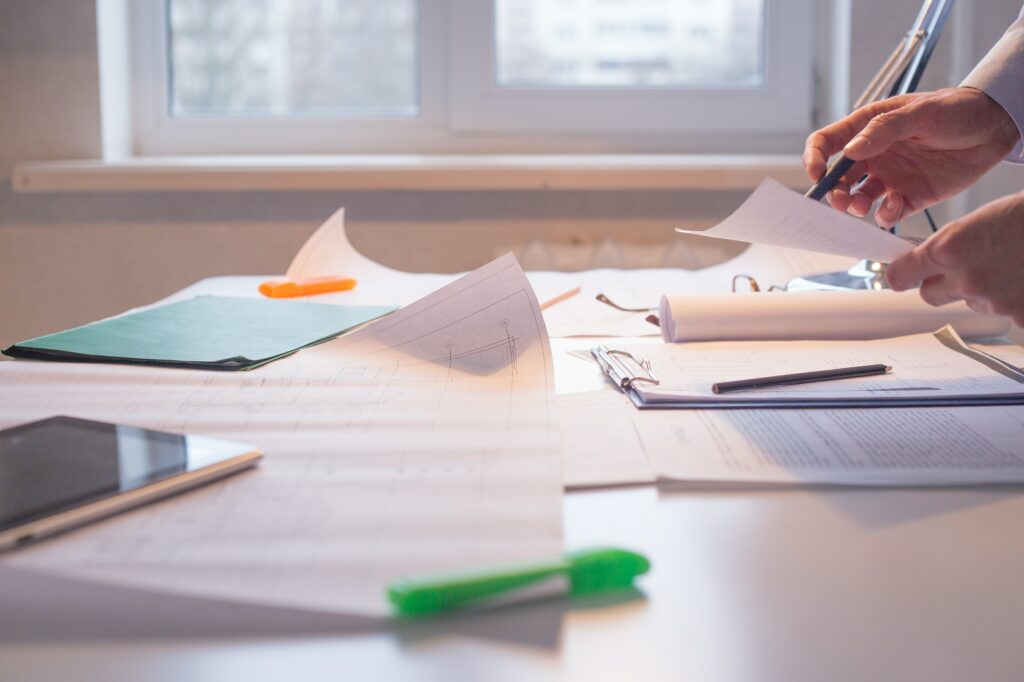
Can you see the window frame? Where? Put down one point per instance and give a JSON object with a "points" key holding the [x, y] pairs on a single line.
{"points": [[460, 112], [156, 132]]}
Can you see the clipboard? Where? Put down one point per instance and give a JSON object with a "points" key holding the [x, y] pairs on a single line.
{"points": [[639, 379]]}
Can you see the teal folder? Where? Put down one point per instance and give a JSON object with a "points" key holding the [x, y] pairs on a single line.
{"points": [[206, 332]]}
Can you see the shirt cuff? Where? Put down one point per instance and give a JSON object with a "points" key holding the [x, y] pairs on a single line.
{"points": [[1000, 75]]}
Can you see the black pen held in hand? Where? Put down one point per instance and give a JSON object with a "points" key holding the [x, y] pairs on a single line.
{"points": [[830, 179]]}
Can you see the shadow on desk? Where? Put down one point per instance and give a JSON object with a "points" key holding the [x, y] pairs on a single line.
{"points": [[40, 608], [887, 507], [536, 623], [44, 608], [869, 507]]}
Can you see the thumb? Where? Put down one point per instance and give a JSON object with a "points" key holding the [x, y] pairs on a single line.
{"points": [[882, 132]]}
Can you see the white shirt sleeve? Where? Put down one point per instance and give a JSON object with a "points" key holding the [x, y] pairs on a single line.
{"points": [[1000, 75]]}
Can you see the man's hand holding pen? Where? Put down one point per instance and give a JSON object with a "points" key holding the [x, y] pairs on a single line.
{"points": [[916, 150]]}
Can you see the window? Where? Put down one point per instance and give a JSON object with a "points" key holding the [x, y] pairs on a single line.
{"points": [[597, 43], [336, 76], [289, 58]]}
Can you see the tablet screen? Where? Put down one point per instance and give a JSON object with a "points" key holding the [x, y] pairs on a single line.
{"points": [[61, 463]]}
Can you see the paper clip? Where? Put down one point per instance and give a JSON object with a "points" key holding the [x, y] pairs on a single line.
{"points": [[618, 372]]}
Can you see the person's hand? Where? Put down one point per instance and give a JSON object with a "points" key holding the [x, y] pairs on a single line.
{"points": [[978, 258], [916, 150]]}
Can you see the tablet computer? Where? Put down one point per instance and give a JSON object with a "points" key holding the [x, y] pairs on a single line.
{"points": [[61, 472]]}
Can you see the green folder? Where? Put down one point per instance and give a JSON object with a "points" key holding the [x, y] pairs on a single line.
{"points": [[206, 332]]}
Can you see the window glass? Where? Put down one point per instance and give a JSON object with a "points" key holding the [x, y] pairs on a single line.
{"points": [[629, 43], [293, 57]]}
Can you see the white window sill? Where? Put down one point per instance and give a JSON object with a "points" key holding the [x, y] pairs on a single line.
{"points": [[408, 172]]}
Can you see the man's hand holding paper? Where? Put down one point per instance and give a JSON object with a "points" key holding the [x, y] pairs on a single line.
{"points": [[777, 215], [918, 149], [978, 259]]}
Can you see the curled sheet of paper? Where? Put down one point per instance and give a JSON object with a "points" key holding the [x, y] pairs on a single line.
{"points": [[777, 215], [330, 252]]}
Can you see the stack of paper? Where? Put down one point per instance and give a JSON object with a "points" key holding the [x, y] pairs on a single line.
{"points": [[423, 443], [729, 448], [927, 370]]}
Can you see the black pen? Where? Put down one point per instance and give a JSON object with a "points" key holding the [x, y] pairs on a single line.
{"points": [[830, 179], [800, 378]]}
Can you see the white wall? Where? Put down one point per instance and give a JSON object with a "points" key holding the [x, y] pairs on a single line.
{"points": [[66, 258]]}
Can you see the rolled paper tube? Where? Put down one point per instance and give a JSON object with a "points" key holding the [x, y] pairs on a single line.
{"points": [[816, 315]]}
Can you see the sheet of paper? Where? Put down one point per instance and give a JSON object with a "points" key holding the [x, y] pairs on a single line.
{"points": [[922, 446], [423, 443], [899, 446], [816, 315], [616, 453], [929, 366], [775, 214], [1008, 353], [330, 252]]}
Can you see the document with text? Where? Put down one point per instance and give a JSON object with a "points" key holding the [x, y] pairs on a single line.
{"points": [[926, 369], [864, 447]]}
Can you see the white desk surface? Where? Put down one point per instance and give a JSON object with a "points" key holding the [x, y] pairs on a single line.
{"points": [[815, 584]]}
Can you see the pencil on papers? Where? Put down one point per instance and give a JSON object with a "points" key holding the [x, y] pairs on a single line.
{"points": [[561, 297]]}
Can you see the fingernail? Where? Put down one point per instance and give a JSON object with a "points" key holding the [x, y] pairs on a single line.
{"points": [[890, 202], [856, 143]]}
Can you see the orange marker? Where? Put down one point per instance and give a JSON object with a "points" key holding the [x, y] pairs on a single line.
{"points": [[286, 288]]}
